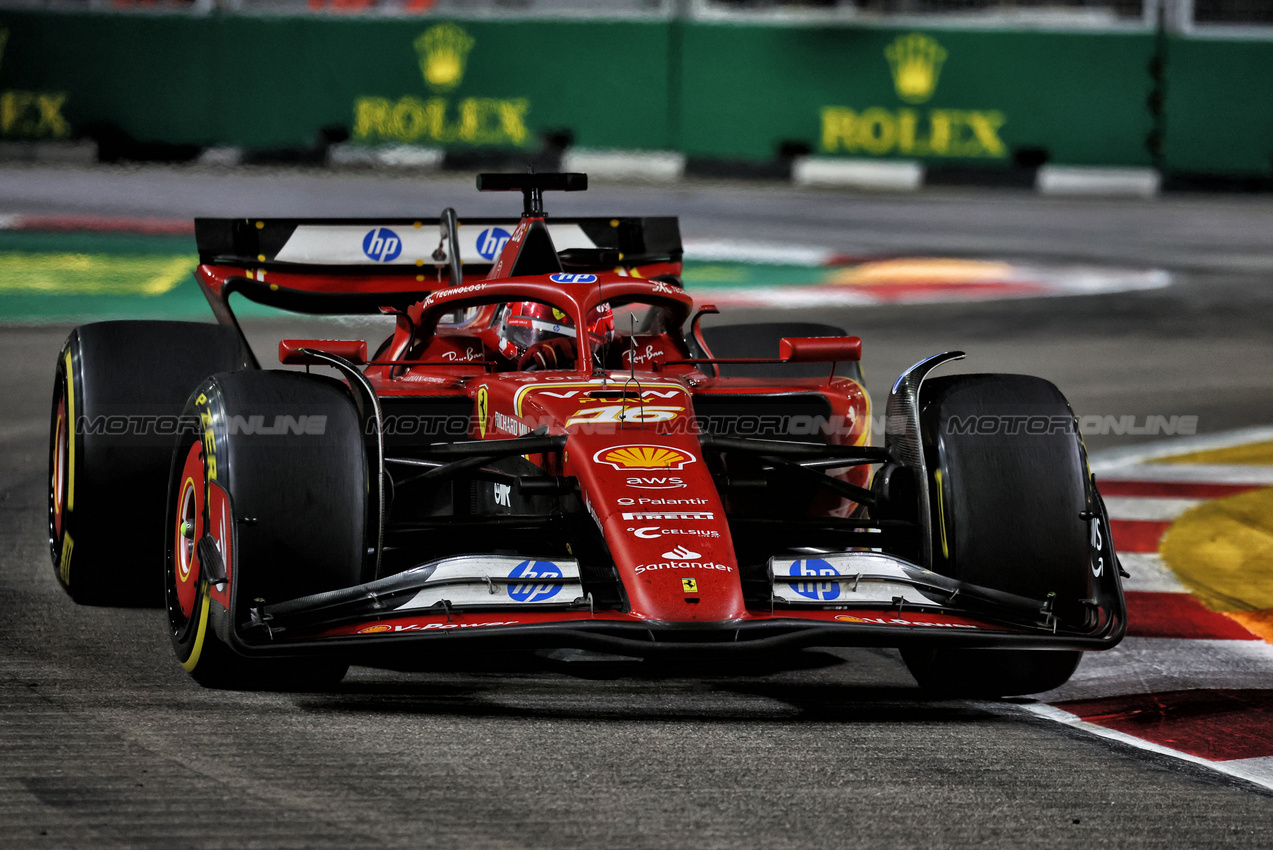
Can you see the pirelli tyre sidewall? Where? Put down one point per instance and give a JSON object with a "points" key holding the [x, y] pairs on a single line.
{"points": [[1010, 498], [277, 479], [118, 392]]}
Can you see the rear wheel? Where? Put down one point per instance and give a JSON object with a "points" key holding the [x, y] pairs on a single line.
{"points": [[117, 395], [1009, 491], [272, 495]]}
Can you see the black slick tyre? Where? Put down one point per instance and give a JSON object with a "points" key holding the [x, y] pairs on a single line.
{"points": [[1009, 491], [118, 392], [272, 494]]}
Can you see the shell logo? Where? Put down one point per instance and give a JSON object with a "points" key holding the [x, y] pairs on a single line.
{"points": [[845, 618], [375, 630], [644, 457]]}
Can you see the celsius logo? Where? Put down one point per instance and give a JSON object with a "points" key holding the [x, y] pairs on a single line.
{"points": [[491, 241], [573, 278], [534, 592], [680, 553], [381, 245], [823, 590]]}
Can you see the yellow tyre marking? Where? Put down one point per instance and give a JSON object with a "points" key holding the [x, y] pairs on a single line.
{"points": [[64, 563], [193, 661], [70, 434], [941, 515]]}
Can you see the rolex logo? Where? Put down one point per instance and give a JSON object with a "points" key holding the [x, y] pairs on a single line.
{"points": [[443, 51], [916, 61]]}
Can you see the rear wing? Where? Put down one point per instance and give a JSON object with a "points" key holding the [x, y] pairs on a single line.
{"points": [[403, 245]]}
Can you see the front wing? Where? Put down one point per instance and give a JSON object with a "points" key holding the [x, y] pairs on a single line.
{"points": [[495, 602]]}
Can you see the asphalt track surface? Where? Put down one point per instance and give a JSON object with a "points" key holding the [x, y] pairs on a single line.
{"points": [[105, 742]]}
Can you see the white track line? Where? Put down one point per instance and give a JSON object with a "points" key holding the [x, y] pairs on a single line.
{"points": [[1132, 455], [1149, 574], [1148, 507], [1201, 472], [1258, 774]]}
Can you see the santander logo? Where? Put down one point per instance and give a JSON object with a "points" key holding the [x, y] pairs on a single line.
{"points": [[680, 553]]}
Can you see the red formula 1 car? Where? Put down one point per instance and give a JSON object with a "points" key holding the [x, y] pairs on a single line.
{"points": [[551, 450]]}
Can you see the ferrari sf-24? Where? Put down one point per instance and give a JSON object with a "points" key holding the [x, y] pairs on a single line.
{"points": [[554, 451]]}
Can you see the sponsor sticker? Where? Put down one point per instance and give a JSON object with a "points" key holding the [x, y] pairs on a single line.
{"points": [[653, 532], [429, 627], [655, 482], [684, 565], [898, 621], [689, 585], [668, 515], [491, 241], [680, 553], [483, 408], [532, 592], [382, 245], [822, 590], [572, 278], [644, 457]]}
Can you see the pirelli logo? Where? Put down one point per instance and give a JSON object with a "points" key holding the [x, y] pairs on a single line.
{"points": [[666, 515]]}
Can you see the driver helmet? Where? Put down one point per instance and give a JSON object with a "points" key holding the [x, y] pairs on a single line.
{"points": [[524, 324]]}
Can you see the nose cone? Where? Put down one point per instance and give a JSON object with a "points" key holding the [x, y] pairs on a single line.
{"points": [[663, 520]]}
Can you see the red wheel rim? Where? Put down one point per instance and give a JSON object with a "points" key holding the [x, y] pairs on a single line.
{"points": [[185, 559]]}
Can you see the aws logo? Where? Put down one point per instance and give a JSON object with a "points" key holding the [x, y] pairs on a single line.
{"points": [[915, 61]]}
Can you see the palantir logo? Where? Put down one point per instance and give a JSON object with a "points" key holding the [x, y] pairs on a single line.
{"points": [[824, 590], [491, 241], [381, 245], [534, 592]]}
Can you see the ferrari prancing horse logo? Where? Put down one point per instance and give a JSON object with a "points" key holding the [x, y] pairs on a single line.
{"points": [[482, 410]]}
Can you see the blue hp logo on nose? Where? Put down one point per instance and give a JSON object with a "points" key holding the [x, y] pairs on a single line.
{"points": [[382, 245], [823, 590], [491, 241], [534, 592]]}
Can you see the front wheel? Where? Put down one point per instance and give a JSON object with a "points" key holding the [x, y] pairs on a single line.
{"points": [[267, 503], [1011, 505]]}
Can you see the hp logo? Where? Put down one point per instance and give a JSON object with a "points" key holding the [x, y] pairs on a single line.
{"points": [[534, 592], [573, 278], [491, 241], [382, 245], [823, 590]]}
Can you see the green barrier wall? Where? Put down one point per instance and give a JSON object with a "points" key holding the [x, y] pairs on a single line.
{"points": [[728, 91], [274, 82], [1219, 107], [961, 95]]}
